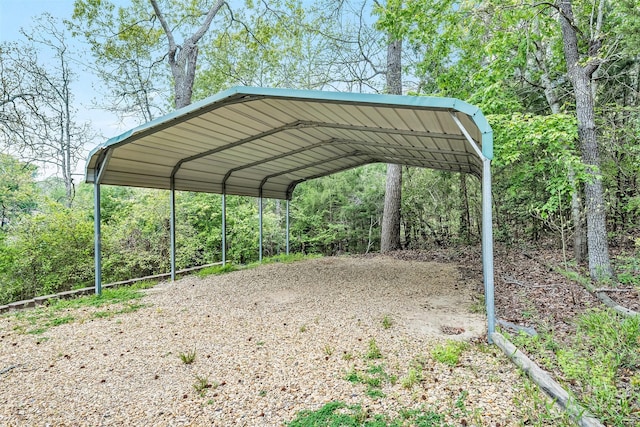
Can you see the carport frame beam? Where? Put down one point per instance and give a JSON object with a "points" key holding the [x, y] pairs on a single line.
{"points": [[224, 227], [487, 231], [287, 227], [260, 223], [172, 226]]}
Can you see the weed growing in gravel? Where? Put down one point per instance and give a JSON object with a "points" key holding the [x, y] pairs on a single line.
{"points": [[328, 350], [303, 328], [189, 357], [126, 308], [478, 305], [449, 353], [374, 350], [537, 408], [413, 377], [202, 384], [331, 414], [374, 377], [341, 414], [347, 356], [387, 322]]}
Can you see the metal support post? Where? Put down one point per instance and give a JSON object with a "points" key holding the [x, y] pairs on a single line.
{"points": [[487, 246], [260, 224], [287, 221], [172, 224], [224, 228], [97, 238]]}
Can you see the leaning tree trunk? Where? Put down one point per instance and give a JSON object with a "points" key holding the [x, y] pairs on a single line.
{"points": [[390, 235], [580, 74]]}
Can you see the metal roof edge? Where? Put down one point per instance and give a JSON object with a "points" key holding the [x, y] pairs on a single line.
{"points": [[483, 125], [369, 98], [160, 120]]}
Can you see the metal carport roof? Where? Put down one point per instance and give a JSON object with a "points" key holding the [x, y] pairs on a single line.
{"points": [[253, 141], [262, 142]]}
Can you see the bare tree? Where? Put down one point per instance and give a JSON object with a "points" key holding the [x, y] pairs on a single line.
{"points": [[38, 113]]}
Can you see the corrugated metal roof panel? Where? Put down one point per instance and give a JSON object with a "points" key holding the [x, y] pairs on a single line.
{"points": [[252, 139]]}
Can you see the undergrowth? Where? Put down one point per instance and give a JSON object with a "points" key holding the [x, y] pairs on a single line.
{"points": [[449, 353], [216, 269], [113, 301], [600, 364], [284, 259], [229, 266], [340, 414]]}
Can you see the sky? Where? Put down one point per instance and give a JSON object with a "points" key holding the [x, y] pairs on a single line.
{"points": [[15, 14]]}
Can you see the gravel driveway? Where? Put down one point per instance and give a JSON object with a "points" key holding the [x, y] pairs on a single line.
{"points": [[269, 342]]}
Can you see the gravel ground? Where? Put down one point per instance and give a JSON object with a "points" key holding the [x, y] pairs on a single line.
{"points": [[271, 341]]}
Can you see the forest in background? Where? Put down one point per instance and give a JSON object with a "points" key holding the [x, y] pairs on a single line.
{"points": [[505, 57]]}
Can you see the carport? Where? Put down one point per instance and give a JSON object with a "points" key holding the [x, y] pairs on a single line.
{"points": [[262, 142]]}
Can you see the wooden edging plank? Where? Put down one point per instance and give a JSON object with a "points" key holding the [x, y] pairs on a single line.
{"points": [[550, 386]]}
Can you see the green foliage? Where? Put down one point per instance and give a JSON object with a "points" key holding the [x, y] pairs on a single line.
{"points": [[62, 311], [339, 213], [533, 155], [52, 252], [413, 377], [258, 48], [374, 351], [216, 270], [628, 270], [126, 43], [437, 220], [189, 357], [202, 384], [333, 413], [340, 414], [374, 377], [605, 346], [17, 190], [449, 353], [387, 322]]}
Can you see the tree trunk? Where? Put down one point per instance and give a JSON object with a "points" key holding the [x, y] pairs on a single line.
{"points": [[580, 76], [183, 59], [543, 54], [390, 238], [465, 218], [390, 235]]}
